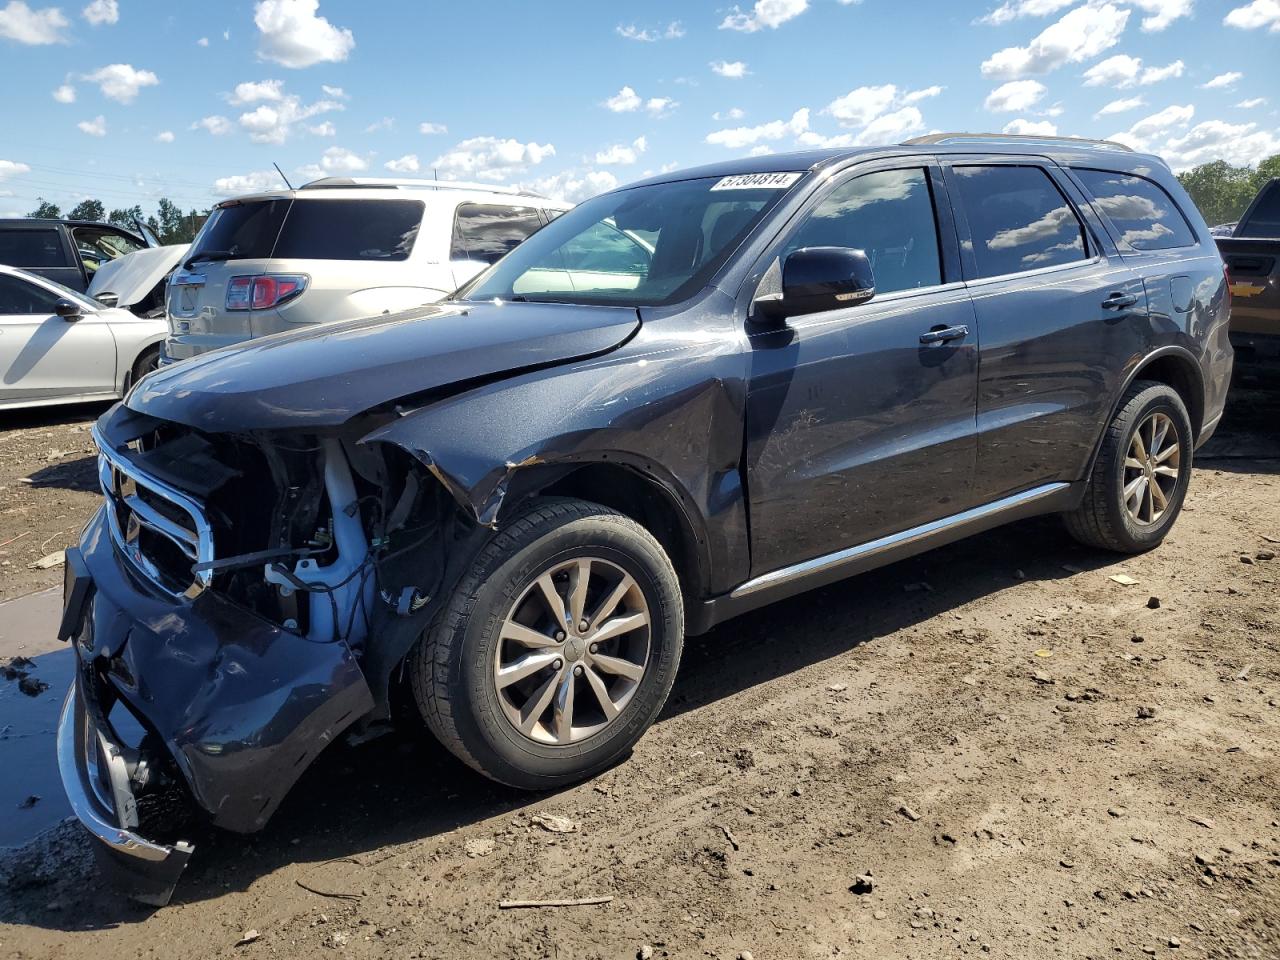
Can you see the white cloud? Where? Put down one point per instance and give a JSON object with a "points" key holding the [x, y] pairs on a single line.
{"points": [[121, 82], [12, 168], [323, 129], [97, 127], [1123, 71], [763, 150], [765, 13], [1016, 9], [1080, 35], [622, 153], [217, 125], [202, 42], [65, 94], [99, 12], [1161, 13], [575, 186], [892, 127], [386, 123], [1252, 102], [734, 70], [659, 106], [406, 164], [673, 31], [1015, 96], [337, 93], [1031, 128], [915, 96], [1120, 106], [432, 128], [739, 137], [339, 160], [254, 91], [1160, 122], [733, 113], [293, 34], [1222, 80], [1253, 16], [862, 105], [274, 120], [259, 181], [490, 158], [33, 27], [625, 100], [1241, 144], [165, 136]]}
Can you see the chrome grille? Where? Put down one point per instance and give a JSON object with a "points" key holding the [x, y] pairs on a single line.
{"points": [[161, 530]]}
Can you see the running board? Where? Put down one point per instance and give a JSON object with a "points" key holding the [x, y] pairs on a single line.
{"points": [[863, 556]]}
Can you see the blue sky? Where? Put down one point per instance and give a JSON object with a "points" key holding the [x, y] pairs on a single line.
{"points": [[130, 100]]}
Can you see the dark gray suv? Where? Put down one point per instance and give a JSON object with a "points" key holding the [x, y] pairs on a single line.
{"points": [[675, 403]]}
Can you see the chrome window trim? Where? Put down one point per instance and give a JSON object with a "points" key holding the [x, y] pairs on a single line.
{"points": [[199, 547]]}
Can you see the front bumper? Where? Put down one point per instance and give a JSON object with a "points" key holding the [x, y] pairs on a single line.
{"points": [[236, 705]]}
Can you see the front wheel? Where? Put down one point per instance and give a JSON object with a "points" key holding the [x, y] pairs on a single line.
{"points": [[1140, 478], [558, 648]]}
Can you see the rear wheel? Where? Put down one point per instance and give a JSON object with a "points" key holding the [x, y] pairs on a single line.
{"points": [[1140, 478], [558, 648], [147, 361]]}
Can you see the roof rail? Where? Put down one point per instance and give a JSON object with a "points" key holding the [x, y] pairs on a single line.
{"points": [[334, 183], [942, 138]]}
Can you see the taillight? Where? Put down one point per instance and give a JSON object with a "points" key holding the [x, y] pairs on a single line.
{"points": [[264, 292]]}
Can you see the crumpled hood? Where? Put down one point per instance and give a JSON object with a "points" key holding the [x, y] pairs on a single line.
{"points": [[133, 276], [322, 375]]}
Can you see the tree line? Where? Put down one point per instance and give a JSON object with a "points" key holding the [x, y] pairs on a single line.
{"points": [[168, 223]]}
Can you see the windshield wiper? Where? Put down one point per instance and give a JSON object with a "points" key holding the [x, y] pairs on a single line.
{"points": [[212, 256]]}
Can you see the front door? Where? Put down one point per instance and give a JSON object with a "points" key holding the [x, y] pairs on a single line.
{"points": [[42, 355], [1060, 316], [856, 428]]}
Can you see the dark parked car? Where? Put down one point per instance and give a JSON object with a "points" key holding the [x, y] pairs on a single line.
{"points": [[674, 404], [68, 251], [1252, 255]]}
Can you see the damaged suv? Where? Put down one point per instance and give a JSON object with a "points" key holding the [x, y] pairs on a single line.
{"points": [[676, 403]]}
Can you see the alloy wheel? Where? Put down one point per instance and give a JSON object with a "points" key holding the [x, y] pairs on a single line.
{"points": [[1151, 469], [572, 651]]}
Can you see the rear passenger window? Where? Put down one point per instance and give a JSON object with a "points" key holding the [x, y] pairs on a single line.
{"points": [[32, 248], [889, 216], [1018, 219], [349, 230], [1145, 215], [487, 232], [19, 297]]}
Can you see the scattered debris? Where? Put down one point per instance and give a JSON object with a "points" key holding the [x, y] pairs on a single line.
{"points": [[645, 952], [1116, 811], [1146, 713], [554, 823], [29, 802], [333, 894], [1123, 579], [527, 904], [1244, 674], [31, 686], [908, 813], [479, 847], [728, 835], [837, 687], [1265, 555], [1202, 822], [1153, 603], [49, 561], [248, 937], [1043, 678], [1044, 652]]}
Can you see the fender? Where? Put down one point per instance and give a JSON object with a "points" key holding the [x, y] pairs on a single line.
{"points": [[664, 415], [1196, 383]]}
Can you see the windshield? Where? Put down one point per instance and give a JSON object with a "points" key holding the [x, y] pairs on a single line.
{"points": [[644, 246]]}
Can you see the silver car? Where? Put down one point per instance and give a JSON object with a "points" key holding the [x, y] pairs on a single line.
{"points": [[59, 346]]}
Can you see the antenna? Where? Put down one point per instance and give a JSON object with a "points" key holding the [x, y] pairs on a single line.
{"points": [[282, 176]]}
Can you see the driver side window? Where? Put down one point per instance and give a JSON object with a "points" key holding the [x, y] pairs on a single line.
{"points": [[889, 216], [20, 298]]}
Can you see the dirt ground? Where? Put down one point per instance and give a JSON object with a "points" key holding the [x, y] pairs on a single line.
{"points": [[993, 749]]}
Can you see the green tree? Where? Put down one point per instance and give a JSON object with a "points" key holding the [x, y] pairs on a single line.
{"points": [[45, 210], [124, 218], [1222, 191], [88, 210]]}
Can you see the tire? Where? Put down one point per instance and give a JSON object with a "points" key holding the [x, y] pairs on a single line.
{"points": [[147, 361], [1106, 517], [479, 642]]}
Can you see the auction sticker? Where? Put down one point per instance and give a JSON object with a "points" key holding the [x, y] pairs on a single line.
{"points": [[757, 181]]}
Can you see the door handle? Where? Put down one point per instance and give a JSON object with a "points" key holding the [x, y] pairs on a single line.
{"points": [[943, 334], [1119, 301]]}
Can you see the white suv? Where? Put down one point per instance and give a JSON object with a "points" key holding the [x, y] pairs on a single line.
{"points": [[337, 249]]}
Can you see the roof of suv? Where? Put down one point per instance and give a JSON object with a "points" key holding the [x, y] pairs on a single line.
{"points": [[384, 188], [1067, 148]]}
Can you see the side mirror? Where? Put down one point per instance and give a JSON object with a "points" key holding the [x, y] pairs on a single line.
{"points": [[68, 310], [821, 278]]}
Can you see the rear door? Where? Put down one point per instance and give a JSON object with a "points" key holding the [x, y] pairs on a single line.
{"points": [[44, 356], [483, 233], [42, 249], [1058, 313], [856, 428]]}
